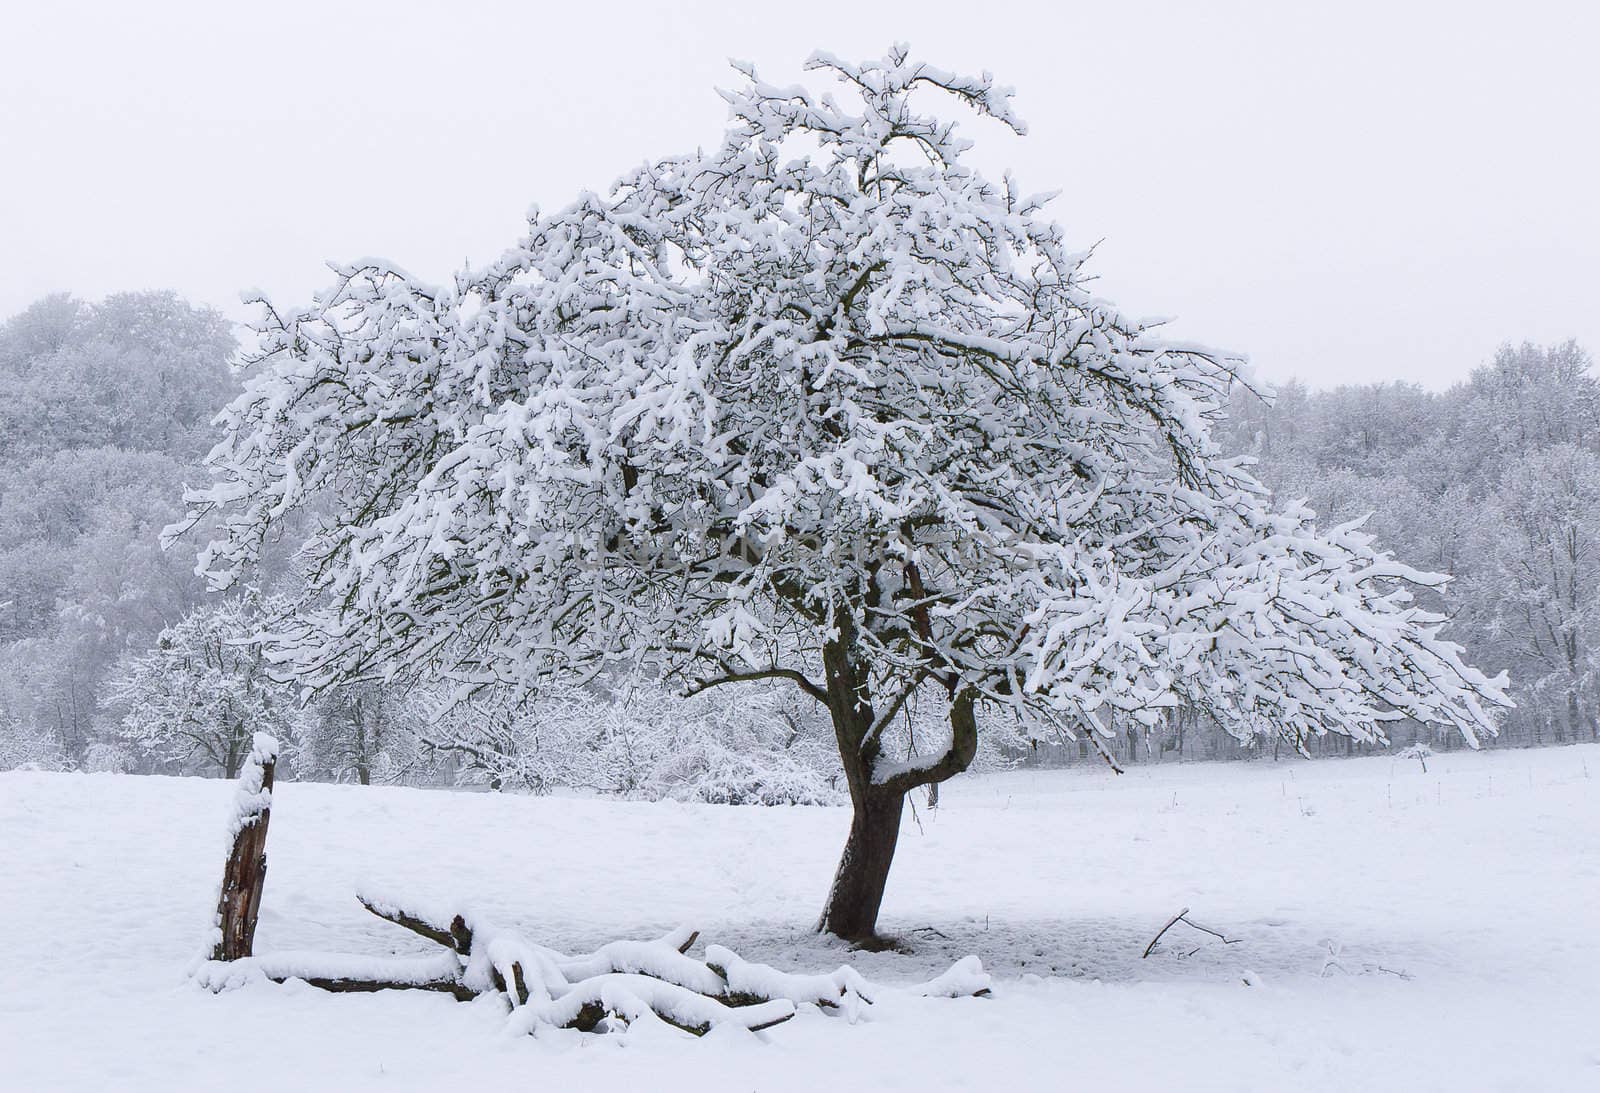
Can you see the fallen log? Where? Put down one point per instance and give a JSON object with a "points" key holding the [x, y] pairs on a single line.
{"points": [[451, 987], [618, 984], [749, 983], [453, 933], [628, 997], [343, 973]]}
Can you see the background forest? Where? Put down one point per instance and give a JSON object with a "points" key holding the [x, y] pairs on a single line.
{"points": [[113, 657]]}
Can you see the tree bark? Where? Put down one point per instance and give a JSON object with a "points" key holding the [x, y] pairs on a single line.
{"points": [[858, 884], [857, 891], [244, 876]]}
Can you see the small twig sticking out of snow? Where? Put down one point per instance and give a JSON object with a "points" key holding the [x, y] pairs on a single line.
{"points": [[1331, 961], [1181, 916], [1171, 922], [1214, 933]]}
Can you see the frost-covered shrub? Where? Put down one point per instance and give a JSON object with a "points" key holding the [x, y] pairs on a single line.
{"points": [[709, 771], [741, 746], [108, 757], [22, 748], [733, 745]]}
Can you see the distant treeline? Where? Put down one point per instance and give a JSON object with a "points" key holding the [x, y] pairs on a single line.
{"points": [[112, 656]]}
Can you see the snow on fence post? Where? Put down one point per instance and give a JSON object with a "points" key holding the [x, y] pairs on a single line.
{"points": [[239, 901]]}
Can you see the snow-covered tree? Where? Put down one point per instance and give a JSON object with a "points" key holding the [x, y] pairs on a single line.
{"points": [[197, 698], [1538, 598], [364, 732], [822, 406], [142, 371], [1532, 397]]}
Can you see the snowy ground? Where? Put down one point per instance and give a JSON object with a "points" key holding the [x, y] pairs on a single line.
{"points": [[1462, 906]]}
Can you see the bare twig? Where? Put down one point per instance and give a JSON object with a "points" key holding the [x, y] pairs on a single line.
{"points": [[1171, 922], [1182, 916], [1214, 933]]}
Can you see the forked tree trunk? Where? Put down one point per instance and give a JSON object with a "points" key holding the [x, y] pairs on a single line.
{"points": [[857, 892], [245, 874]]}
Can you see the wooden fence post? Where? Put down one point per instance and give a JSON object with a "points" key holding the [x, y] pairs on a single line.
{"points": [[239, 902]]}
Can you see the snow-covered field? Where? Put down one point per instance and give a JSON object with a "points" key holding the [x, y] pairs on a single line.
{"points": [[1402, 930]]}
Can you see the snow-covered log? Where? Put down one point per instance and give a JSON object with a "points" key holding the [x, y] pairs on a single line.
{"points": [[618, 984], [239, 901], [627, 997], [450, 931], [966, 978], [757, 982], [341, 972]]}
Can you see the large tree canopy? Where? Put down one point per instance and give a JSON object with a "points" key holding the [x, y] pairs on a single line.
{"points": [[822, 405]]}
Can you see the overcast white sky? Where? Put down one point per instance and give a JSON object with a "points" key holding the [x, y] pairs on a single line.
{"points": [[1346, 192]]}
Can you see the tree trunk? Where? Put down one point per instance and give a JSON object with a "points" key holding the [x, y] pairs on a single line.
{"points": [[234, 755], [363, 746], [857, 892]]}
